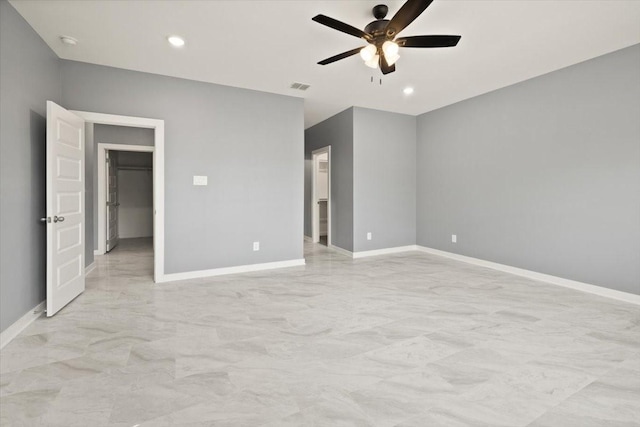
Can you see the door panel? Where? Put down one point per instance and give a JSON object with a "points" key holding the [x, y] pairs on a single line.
{"points": [[68, 238], [68, 273], [65, 207], [69, 203]]}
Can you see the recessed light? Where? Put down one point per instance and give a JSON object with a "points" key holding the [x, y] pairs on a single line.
{"points": [[176, 41], [69, 41], [408, 90]]}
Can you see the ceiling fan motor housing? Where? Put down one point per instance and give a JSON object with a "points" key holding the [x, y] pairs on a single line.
{"points": [[377, 28]]}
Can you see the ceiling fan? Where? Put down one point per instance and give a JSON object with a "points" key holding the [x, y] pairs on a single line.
{"points": [[383, 46]]}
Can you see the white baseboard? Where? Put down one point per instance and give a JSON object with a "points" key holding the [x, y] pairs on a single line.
{"points": [[376, 252], [98, 252], [89, 268], [21, 324], [567, 283], [386, 251], [341, 251], [308, 239], [230, 270]]}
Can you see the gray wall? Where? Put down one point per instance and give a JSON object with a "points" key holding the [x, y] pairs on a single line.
{"points": [[384, 179], [373, 178], [543, 175], [29, 76], [108, 134], [336, 131], [249, 144]]}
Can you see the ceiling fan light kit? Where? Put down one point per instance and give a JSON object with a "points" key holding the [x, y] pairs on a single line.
{"points": [[382, 45], [390, 50], [373, 62], [368, 52]]}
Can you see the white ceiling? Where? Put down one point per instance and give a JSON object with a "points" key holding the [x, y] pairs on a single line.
{"points": [[267, 45]]}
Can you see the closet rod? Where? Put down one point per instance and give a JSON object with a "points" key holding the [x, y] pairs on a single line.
{"points": [[133, 168]]}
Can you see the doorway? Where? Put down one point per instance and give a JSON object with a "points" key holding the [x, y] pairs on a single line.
{"points": [[125, 194], [157, 152], [321, 196], [129, 198]]}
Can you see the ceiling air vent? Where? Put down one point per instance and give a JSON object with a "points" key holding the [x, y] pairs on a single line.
{"points": [[300, 86]]}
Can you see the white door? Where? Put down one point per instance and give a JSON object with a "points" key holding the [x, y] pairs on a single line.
{"points": [[112, 202], [65, 207]]}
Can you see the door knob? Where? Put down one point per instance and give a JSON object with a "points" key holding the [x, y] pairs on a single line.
{"points": [[46, 219], [58, 218]]}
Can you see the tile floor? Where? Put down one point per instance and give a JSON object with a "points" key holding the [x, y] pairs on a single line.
{"points": [[401, 340]]}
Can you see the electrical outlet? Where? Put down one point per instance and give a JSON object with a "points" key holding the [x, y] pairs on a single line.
{"points": [[454, 238], [256, 246], [369, 236]]}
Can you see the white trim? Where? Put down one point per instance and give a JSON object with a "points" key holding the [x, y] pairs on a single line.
{"points": [[386, 251], [567, 283], [341, 251], [315, 222], [96, 252], [113, 119], [308, 239], [158, 176], [21, 324], [375, 252], [231, 270], [89, 268], [158, 201]]}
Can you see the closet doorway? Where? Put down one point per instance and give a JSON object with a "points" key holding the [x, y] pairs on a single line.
{"points": [[125, 194], [321, 196]]}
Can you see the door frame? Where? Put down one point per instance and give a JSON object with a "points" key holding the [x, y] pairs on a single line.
{"points": [[158, 177], [102, 186], [315, 211]]}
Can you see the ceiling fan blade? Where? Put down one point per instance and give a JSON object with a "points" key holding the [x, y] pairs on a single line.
{"points": [[386, 68], [340, 26], [428, 41], [340, 56], [406, 15]]}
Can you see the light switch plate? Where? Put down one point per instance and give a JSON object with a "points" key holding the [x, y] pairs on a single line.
{"points": [[199, 180]]}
